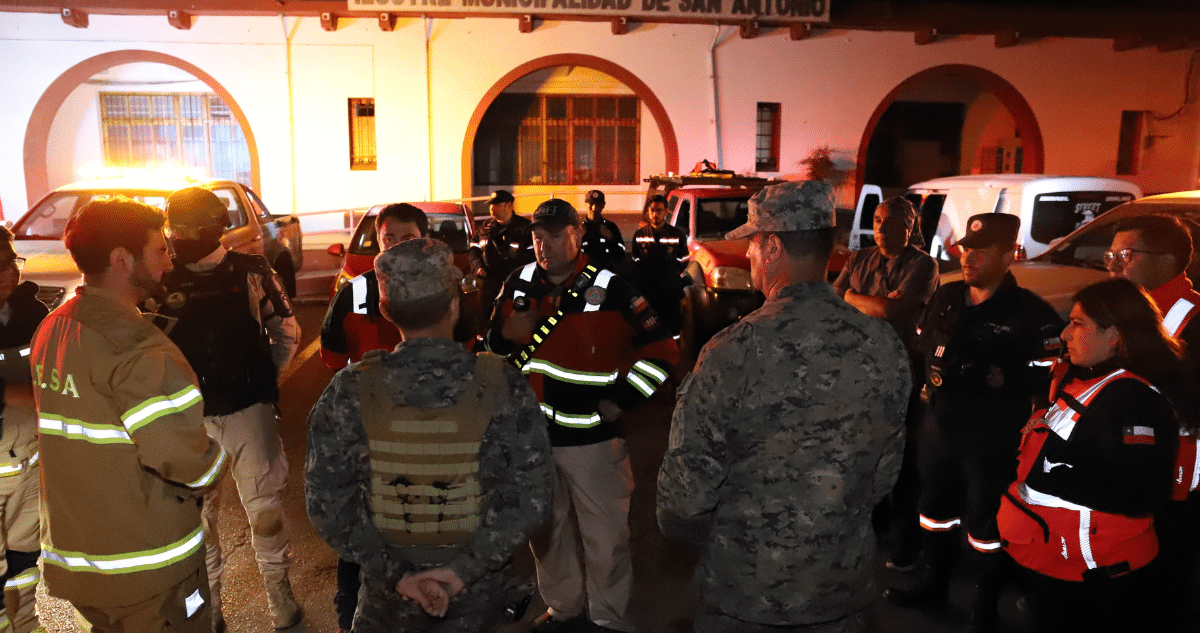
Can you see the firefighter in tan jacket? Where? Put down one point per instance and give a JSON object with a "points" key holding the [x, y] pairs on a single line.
{"points": [[124, 455]]}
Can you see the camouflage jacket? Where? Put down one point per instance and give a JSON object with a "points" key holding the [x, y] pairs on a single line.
{"points": [[786, 435], [514, 461]]}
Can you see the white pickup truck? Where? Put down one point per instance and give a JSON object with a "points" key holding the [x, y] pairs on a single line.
{"points": [[253, 229]]}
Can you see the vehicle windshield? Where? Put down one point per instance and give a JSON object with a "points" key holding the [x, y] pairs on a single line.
{"points": [[49, 218], [450, 228], [717, 216]]}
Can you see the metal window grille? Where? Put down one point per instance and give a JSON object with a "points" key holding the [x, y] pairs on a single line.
{"points": [[766, 146], [193, 130], [362, 134], [560, 140]]}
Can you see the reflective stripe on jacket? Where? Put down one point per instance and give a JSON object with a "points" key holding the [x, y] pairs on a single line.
{"points": [[124, 456], [1057, 537]]}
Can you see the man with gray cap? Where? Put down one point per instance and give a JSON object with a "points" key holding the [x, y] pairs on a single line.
{"points": [[786, 435], [427, 465], [986, 344], [591, 347]]}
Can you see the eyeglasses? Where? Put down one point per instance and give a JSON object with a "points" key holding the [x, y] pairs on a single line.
{"points": [[18, 262], [1125, 254]]}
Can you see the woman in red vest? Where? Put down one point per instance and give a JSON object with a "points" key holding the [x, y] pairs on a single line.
{"points": [[1095, 466]]}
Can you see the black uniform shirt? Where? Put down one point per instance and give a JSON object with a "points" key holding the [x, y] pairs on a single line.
{"points": [[986, 362]]}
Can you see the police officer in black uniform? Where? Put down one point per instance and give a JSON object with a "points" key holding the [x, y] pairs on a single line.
{"points": [[602, 239], [507, 244], [987, 345], [230, 316]]}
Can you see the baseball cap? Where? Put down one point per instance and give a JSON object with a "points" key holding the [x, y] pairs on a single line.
{"points": [[500, 196], [595, 196], [990, 229], [416, 269], [554, 214], [802, 205]]}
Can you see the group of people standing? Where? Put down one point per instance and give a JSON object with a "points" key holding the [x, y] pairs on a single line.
{"points": [[429, 465], [1054, 446]]}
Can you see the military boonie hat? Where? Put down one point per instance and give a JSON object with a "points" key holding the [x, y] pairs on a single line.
{"points": [[990, 229], [595, 196], [555, 214], [416, 269], [803, 205], [500, 196]]}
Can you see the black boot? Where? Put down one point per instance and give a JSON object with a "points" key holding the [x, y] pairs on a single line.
{"points": [[991, 571], [934, 583]]}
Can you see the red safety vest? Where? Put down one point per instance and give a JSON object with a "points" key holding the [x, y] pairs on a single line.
{"points": [[1056, 537], [1178, 303]]}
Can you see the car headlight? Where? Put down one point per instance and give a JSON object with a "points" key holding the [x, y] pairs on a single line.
{"points": [[341, 280], [731, 278]]}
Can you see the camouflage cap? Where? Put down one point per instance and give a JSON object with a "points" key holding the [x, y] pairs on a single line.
{"points": [[791, 206], [416, 269]]}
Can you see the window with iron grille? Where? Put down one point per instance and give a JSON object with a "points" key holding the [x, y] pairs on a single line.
{"points": [[362, 134], [193, 130], [766, 146], [531, 139]]}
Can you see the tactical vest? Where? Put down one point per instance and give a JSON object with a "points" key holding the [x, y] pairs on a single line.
{"points": [[1187, 460], [227, 347], [425, 488], [1059, 538]]}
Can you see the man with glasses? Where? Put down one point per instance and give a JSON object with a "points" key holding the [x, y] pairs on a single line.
{"points": [[1153, 251], [20, 315]]}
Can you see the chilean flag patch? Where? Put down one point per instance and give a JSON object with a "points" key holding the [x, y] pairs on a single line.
{"points": [[1138, 435]]}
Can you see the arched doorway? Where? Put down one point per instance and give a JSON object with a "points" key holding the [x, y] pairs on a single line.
{"points": [[971, 120], [37, 132], [620, 74]]}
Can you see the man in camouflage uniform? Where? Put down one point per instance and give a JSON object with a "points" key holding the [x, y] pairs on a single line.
{"points": [[428, 466], [786, 435]]}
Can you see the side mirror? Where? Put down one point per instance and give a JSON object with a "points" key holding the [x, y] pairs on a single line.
{"points": [[337, 250]]}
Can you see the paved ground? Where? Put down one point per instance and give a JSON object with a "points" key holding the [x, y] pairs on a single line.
{"points": [[663, 595]]}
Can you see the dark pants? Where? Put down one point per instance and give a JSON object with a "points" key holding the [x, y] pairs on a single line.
{"points": [[1131, 602], [964, 472]]}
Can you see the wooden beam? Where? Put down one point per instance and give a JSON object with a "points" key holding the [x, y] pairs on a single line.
{"points": [[525, 24], [748, 30], [74, 17], [1129, 42], [329, 21], [1176, 43], [387, 22], [800, 31], [1007, 39], [620, 26], [179, 19], [931, 35]]}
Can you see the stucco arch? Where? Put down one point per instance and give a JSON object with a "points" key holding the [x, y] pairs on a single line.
{"points": [[1026, 122], [643, 92], [37, 133]]}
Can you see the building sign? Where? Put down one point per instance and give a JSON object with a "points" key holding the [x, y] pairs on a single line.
{"points": [[656, 10]]}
